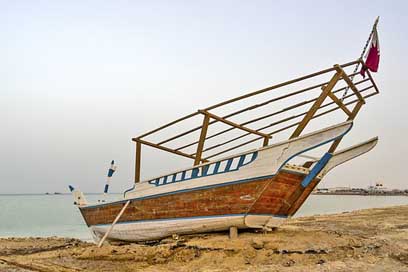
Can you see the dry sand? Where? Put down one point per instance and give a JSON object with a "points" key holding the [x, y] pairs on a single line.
{"points": [[366, 240]]}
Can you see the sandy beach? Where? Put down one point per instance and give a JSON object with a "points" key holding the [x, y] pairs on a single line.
{"points": [[365, 240]]}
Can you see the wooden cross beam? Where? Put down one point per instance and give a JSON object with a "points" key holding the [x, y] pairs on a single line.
{"points": [[339, 103], [234, 124], [349, 82]]}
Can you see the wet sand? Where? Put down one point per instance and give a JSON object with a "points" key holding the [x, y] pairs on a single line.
{"points": [[366, 240]]}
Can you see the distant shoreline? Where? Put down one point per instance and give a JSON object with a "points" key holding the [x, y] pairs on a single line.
{"points": [[362, 194], [314, 193], [51, 194]]}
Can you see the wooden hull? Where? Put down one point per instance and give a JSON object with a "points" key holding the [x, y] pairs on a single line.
{"points": [[257, 189], [260, 203]]}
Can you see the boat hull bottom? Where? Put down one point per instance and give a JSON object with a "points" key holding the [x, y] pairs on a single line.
{"points": [[158, 229]]}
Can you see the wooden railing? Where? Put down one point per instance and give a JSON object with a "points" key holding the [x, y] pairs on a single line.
{"points": [[201, 154]]}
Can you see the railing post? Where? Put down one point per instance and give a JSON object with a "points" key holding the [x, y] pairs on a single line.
{"points": [[137, 160], [265, 141], [325, 92], [203, 134]]}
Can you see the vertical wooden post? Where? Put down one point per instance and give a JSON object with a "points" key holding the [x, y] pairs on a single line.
{"points": [[353, 114], [137, 160], [233, 232], [326, 90], [265, 141], [203, 134]]}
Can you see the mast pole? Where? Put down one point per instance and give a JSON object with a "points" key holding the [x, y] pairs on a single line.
{"points": [[362, 55]]}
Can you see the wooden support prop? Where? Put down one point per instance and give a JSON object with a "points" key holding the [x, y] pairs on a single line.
{"points": [[316, 105], [138, 160], [349, 82], [234, 124], [233, 232], [203, 134], [353, 114], [114, 223]]}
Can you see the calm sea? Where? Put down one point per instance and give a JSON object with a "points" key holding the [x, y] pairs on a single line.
{"points": [[55, 215]]}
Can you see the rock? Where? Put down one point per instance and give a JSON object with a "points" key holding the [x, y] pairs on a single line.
{"points": [[289, 263], [257, 244], [321, 261], [159, 260]]}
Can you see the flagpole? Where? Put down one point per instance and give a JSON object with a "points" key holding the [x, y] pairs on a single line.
{"points": [[362, 54]]}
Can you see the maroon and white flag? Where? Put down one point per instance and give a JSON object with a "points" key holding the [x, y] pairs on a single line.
{"points": [[373, 56]]}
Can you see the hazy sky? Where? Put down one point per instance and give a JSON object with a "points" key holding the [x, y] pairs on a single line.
{"points": [[79, 79]]}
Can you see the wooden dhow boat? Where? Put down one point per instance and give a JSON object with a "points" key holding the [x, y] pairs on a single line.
{"points": [[233, 182]]}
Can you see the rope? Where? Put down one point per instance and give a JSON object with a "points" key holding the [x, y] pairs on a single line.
{"points": [[361, 57]]}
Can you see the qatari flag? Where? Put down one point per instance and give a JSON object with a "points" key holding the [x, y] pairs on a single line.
{"points": [[373, 56]]}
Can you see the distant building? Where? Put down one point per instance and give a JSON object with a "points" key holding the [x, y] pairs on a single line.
{"points": [[321, 190], [332, 190], [379, 187], [339, 189]]}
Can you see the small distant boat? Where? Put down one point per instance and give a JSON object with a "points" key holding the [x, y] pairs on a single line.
{"points": [[256, 188]]}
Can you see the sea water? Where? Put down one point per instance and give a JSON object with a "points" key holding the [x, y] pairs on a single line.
{"points": [[44, 216], [55, 215]]}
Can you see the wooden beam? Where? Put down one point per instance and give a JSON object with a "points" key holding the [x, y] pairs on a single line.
{"points": [[353, 115], [339, 103], [167, 125], [349, 82], [201, 141], [167, 149], [138, 161], [234, 124], [316, 105], [279, 85]]}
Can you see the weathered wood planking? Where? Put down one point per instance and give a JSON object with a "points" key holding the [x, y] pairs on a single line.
{"points": [[265, 196]]}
